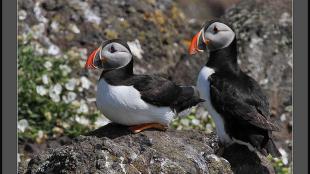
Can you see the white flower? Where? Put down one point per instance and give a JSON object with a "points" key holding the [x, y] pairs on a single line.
{"points": [[283, 117], [54, 92], [53, 50], [54, 97], [55, 26], [65, 99], [185, 122], [70, 85], [80, 89], [101, 121], [45, 79], [40, 134], [22, 14], [209, 128], [38, 13], [65, 69], [41, 90], [85, 82], [22, 125], [82, 120], [195, 122], [284, 156], [57, 88], [74, 28], [48, 65], [18, 157], [135, 48], [69, 98], [83, 107]]}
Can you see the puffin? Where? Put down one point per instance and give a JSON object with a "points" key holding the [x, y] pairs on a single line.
{"points": [[234, 100], [137, 101]]}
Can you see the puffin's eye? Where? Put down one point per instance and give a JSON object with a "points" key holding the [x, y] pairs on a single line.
{"points": [[215, 30], [112, 49]]}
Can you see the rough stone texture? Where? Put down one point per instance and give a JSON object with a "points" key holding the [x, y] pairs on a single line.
{"points": [[113, 149]]}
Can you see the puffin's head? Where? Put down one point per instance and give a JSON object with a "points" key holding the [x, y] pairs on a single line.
{"points": [[214, 35], [111, 54]]}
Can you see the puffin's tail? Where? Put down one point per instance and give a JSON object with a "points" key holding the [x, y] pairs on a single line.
{"points": [[272, 149], [188, 98]]}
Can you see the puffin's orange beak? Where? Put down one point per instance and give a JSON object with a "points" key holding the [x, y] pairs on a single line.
{"points": [[90, 60], [193, 48]]}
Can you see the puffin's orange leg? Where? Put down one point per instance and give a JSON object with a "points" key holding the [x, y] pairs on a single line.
{"points": [[141, 127]]}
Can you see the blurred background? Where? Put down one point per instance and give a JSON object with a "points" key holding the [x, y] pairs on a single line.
{"points": [[56, 100]]}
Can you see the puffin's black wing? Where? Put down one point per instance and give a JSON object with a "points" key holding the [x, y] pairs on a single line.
{"points": [[241, 98], [159, 91]]}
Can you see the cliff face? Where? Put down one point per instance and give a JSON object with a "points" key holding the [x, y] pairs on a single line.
{"points": [[113, 149]]}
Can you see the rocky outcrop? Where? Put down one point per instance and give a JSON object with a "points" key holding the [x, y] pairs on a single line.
{"points": [[113, 149]]}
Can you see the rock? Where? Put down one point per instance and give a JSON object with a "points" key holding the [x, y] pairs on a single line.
{"points": [[113, 149]]}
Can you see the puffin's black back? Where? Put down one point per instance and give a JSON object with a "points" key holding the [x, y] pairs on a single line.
{"points": [[239, 99], [154, 89]]}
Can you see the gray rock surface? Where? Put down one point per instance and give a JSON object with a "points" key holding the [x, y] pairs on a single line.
{"points": [[113, 149]]}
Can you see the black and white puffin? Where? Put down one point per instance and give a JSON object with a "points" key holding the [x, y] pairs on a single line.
{"points": [[138, 101], [235, 101]]}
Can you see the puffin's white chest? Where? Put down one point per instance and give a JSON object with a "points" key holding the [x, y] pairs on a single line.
{"points": [[123, 105], [203, 86]]}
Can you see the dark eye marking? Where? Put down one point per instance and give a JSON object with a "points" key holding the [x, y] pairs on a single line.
{"points": [[215, 29], [112, 49]]}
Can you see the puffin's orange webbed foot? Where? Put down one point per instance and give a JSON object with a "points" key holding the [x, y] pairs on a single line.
{"points": [[141, 127]]}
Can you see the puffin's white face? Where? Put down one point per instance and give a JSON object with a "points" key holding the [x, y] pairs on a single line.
{"points": [[109, 56], [217, 36]]}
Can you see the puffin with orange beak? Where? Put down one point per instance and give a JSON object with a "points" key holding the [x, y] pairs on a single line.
{"points": [[235, 101], [139, 101]]}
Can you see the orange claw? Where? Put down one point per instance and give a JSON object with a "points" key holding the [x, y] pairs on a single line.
{"points": [[141, 127]]}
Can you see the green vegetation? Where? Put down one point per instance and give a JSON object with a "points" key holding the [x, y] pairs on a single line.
{"points": [[49, 97], [279, 166]]}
